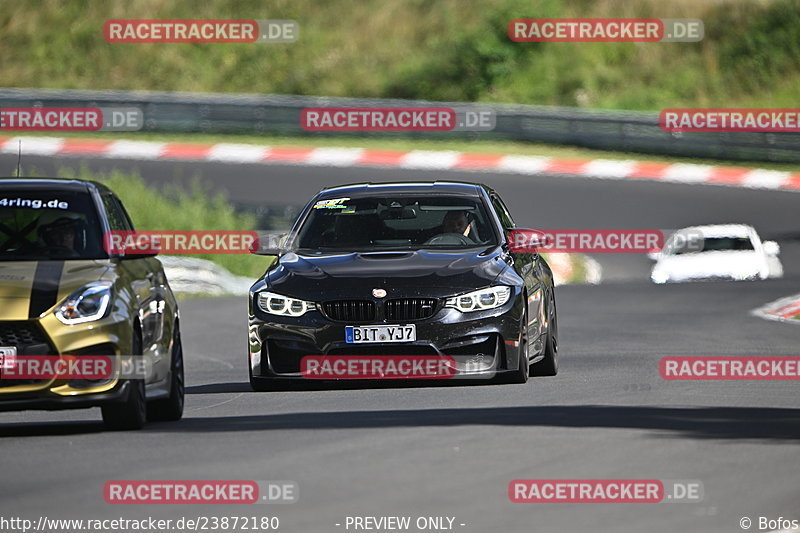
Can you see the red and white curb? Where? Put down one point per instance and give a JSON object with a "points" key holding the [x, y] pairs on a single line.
{"points": [[783, 310], [750, 178], [563, 267]]}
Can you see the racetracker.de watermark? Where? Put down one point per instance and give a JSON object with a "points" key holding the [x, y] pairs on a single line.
{"points": [[604, 30], [605, 491], [390, 119], [200, 492], [181, 242], [71, 119], [90, 367], [377, 367], [730, 120], [716, 368], [200, 31], [585, 241]]}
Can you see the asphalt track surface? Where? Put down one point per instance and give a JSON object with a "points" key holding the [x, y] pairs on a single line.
{"points": [[452, 450]]}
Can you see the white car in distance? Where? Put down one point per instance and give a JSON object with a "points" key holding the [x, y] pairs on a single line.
{"points": [[720, 251]]}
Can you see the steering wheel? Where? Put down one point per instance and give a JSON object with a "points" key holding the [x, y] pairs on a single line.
{"points": [[450, 238], [60, 252]]}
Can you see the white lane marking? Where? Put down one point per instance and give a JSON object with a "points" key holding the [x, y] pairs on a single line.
{"points": [[608, 168], [688, 173], [335, 157], [135, 149], [238, 153], [428, 159], [524, 164], [594, 272], [765, 179], [33, 145]]}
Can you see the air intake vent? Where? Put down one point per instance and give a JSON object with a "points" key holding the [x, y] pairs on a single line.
{"points": [[410, 308], [350, 310], [21, 334]]}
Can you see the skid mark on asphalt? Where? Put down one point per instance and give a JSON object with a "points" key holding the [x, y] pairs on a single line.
{"points": [[201, 357], [239, 395]]}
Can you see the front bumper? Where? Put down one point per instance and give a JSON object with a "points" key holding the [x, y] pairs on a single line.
{"points": [[47, 336], [482, 343], [49, 401]]}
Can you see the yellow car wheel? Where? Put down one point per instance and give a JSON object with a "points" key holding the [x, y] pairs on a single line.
{"points": [[171, 409], [131, 413]]}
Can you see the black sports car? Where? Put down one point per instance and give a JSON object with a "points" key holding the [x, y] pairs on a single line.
{"points": [[404, 269]]}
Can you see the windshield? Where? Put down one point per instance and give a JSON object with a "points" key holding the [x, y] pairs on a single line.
{"points": [[43, 225], [709, 244], [397, 222]]}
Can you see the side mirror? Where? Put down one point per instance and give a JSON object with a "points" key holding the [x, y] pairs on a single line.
{"points": [[654, 256], [122, 245], [270, 244], [771, 248], [526, 241]]}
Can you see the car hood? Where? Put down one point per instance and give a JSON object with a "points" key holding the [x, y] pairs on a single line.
{"points": [[404, 274], [28, 288]]}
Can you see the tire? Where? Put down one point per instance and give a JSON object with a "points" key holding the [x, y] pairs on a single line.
{"points": [[171, 409], [131, 413], [549, 365], [520, 375]]}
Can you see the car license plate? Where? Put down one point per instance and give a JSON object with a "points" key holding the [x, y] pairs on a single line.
{"points": [[7, 355], [362, 334]]}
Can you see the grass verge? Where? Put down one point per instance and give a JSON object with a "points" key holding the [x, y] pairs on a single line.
{"points": [[448, 50]]}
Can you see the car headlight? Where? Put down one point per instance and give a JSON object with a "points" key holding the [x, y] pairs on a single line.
{"points": [[659, 276], [277, 304], [85, 305], [480, 300]]}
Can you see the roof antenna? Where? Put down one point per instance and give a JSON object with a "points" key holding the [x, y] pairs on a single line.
{"points": [[19, 157]]}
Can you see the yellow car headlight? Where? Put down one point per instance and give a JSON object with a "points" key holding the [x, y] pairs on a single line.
{"points": [[88, 304]]}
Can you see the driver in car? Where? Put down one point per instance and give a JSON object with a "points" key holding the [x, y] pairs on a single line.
{"points": [[62, 233], [456, 222], [455, 230]]}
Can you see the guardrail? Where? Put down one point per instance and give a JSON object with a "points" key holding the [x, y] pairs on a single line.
{"points": [[190, 275], [280, 115]]}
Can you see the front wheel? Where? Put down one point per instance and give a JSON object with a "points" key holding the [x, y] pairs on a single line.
{"points": [[171, 409], [549, 365], [520, 375], [132, 413]]}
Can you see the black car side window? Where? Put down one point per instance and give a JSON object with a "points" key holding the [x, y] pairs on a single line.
{"points": [[117, 218], [125, 216], [502, 212]]}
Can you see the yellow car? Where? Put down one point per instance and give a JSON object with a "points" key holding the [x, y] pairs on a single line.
{"points": [[62, 293]]}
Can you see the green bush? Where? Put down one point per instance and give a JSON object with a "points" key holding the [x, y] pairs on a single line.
{"points": [[443, 49]]}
